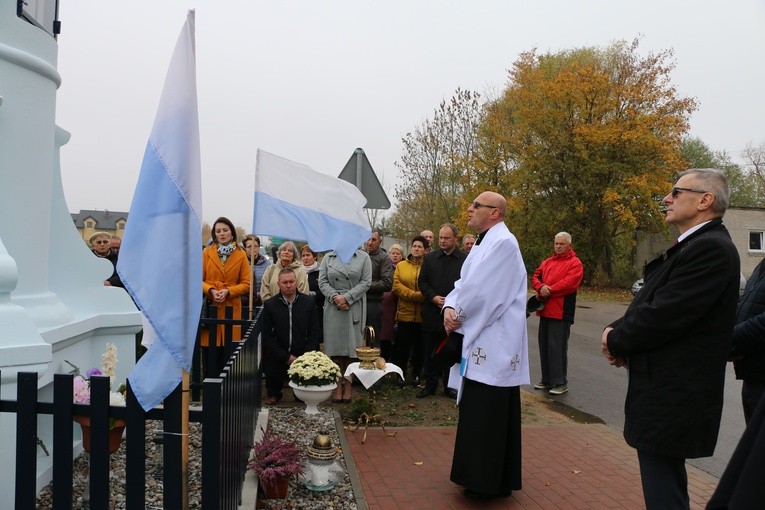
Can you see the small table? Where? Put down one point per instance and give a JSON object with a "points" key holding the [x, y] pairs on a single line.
{"points": [[369, 377]]}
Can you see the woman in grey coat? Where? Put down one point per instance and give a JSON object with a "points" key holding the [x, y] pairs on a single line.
{"points": [[345, 308]]}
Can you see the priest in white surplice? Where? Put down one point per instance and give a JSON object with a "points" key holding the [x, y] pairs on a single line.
{"points": [[488, 306]]}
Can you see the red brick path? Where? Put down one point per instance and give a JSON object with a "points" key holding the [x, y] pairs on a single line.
{"points": [[586, 467]]}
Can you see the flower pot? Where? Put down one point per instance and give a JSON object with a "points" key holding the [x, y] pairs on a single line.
{"points": [[312, 395], [115, 433], [277, 490]]}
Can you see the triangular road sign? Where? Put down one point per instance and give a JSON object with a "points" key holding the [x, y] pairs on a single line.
{"points": [[359, 172]]}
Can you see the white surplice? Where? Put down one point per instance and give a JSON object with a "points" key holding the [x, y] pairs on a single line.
{"points": [[490, 301]]}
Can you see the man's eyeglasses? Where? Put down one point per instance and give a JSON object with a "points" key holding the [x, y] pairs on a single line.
{"points": [[478, 205], [676, 191]]}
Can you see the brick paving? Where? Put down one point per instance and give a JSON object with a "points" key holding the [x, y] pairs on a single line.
{"points": [[587, 467]]}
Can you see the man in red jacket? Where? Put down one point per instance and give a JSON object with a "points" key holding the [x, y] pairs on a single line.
{"points": [[556, 282]]}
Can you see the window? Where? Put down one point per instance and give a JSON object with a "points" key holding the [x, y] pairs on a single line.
{"points": [[121, 225], [90, 224], [755, 241], [40, 13]]}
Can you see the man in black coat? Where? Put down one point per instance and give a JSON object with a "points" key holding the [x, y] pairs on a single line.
{"points": [[748, 352], [440, 269], [290, 328], [675, 338]]}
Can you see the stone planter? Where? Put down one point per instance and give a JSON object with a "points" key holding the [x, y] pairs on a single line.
{"points": [[312, 395]]}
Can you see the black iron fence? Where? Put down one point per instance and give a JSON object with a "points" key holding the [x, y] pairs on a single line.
{"points": [[227, 417]]}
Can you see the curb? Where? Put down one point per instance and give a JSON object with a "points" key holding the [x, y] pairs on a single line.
{"points": [[350, 464], [250, 484]]}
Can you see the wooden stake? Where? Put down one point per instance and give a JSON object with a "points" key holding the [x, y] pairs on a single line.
{"points": [[185, 440], [252, 283]]}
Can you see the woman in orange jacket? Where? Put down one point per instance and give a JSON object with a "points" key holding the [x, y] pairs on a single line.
{"points": [[225, 277]]}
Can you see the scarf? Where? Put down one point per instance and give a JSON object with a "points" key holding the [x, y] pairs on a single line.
{"points": [[224, 250]]}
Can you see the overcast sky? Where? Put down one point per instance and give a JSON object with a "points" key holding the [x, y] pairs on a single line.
{"points": [[313, 80]]}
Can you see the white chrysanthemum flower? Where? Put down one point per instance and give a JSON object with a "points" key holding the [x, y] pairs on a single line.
{"points": [[116, 399], [313, 367]]}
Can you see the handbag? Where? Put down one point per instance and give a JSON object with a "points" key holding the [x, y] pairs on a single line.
{"points": [[449, 351]]}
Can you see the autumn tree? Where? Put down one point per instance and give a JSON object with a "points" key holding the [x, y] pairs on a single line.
{"points": [[587, 141], [436, 165], [754, 155], [206, 233], [745, 189]]}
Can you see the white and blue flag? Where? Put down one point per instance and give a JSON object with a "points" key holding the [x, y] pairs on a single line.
{"points": [[296, 202], [160, 261]]}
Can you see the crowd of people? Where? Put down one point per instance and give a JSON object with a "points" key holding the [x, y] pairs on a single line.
{"points": [[467, 302], [377, 289]]}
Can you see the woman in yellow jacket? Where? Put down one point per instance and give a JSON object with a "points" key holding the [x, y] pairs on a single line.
{"points": [[225, 277], [409, 309]]}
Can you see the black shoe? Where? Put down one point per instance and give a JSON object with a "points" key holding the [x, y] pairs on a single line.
{"points": [[452, 394], [416, 381], [426, 392], [471, 494]]}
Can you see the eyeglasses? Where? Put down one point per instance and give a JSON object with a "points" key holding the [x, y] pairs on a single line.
{"points": [[676, 191], [478, 205]]}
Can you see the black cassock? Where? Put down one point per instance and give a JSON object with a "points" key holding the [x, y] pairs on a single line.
{"points": [[487, 450]]}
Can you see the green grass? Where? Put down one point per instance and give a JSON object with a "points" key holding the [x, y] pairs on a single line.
{"points": [[614, 294], [604, 294]]}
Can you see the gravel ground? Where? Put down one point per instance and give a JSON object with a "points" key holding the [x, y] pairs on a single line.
{"points": [[290, 423], [117, 474]]}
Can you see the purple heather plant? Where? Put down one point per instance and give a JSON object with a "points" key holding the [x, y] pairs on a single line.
{"points": [[274, 458]]}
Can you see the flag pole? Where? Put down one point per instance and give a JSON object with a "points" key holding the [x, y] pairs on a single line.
{"points": [[252, 283], [185, 440]]}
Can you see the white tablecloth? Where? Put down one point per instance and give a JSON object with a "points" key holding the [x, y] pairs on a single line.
{"points": [[370, 377]]}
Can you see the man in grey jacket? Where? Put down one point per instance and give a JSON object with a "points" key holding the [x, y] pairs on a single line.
{"points": [[382, 281]]}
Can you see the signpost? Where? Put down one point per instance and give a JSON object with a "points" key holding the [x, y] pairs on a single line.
{"points": [[359, 172]]}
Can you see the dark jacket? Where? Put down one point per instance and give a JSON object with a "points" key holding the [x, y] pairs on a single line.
{"points": [[437, 276], [562, 273], [676, 337], [288, 330], [741, 486], [315, 293], [382, 275], [114, 280], [749, 332]]}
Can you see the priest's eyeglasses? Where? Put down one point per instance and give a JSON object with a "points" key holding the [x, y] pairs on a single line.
{"points": [[478, 205], [677, 190]]}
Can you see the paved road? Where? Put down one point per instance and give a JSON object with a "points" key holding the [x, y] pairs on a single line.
{"points": [[597, 388]]}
